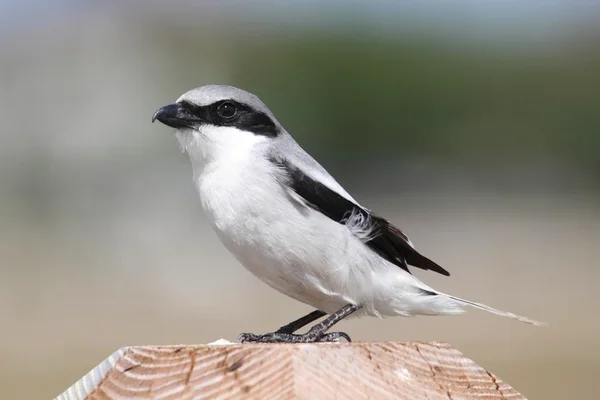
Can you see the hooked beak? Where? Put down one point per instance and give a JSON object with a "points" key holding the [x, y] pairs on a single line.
{"points": [[176, 116]]}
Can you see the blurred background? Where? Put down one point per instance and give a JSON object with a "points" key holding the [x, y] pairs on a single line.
{"points": [[474, 126]]}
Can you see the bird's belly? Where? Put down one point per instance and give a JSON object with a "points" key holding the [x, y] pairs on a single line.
{"points": [[292, 248], [293, 259]]}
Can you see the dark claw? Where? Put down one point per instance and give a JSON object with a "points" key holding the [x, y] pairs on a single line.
{"points": [[248, 338], [334, 337]]}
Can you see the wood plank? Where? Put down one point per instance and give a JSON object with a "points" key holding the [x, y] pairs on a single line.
{"points": [[356, 370]]}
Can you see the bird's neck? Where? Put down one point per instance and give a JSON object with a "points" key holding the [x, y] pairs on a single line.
{"points": [[216, 148]]}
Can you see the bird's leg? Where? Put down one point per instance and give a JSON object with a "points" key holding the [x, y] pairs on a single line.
{"points": [[316, 334], [301, 322], [287, 329]]}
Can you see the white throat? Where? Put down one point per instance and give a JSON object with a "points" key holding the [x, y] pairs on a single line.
{"points": [[216, 145]]}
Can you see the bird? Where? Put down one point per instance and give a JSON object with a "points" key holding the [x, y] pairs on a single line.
{"points": [[292, 225]]}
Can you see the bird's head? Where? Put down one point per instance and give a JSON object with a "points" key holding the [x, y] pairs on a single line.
{"points": [[216, 120]]}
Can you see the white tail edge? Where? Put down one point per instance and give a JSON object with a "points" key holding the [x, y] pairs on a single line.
{"points": [[497, 312]]}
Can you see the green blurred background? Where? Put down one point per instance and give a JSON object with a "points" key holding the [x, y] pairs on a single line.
{"points": [[472, 125]]}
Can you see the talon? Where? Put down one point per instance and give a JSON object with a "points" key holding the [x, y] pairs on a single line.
{"points": [[334, 337], [248, 338], [345, 336]]}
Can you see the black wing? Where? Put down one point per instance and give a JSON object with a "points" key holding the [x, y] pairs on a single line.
{"points": [[387, 240]]}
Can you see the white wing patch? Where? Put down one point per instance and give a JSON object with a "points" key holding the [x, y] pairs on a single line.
{"points": [[360, 225]]}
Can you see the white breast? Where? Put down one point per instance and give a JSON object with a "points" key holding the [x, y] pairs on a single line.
{"points": [[253, 215]]}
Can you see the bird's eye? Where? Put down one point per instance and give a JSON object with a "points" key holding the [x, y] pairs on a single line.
{"points": [[226, 110]]}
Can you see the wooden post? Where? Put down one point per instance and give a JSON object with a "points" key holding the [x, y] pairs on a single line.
{"points": [[290, 371]]}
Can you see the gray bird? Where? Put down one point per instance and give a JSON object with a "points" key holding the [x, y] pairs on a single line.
{"points": [[291, 224]]}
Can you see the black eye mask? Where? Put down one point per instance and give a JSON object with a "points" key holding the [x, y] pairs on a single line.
{"points": [[234, 114]]}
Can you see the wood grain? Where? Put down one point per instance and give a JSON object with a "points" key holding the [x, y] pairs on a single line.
{"points": [[291, 371]]}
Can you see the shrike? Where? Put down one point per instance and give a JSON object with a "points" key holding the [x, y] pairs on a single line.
{"points": [[291, 224]]}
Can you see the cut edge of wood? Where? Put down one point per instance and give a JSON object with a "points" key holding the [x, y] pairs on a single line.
{"points": [[90, 381], [93, 380]]}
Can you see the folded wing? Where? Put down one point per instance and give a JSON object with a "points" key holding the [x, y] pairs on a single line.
{"points": [[385, 239]]}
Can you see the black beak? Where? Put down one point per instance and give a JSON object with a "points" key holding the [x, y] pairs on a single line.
{"points": [[176, 116]]}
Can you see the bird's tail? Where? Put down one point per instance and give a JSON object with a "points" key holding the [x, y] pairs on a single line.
{"points": [[493, 310]]}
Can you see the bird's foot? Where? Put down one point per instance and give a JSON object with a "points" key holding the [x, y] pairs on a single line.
{"points": [[280, 337]]}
